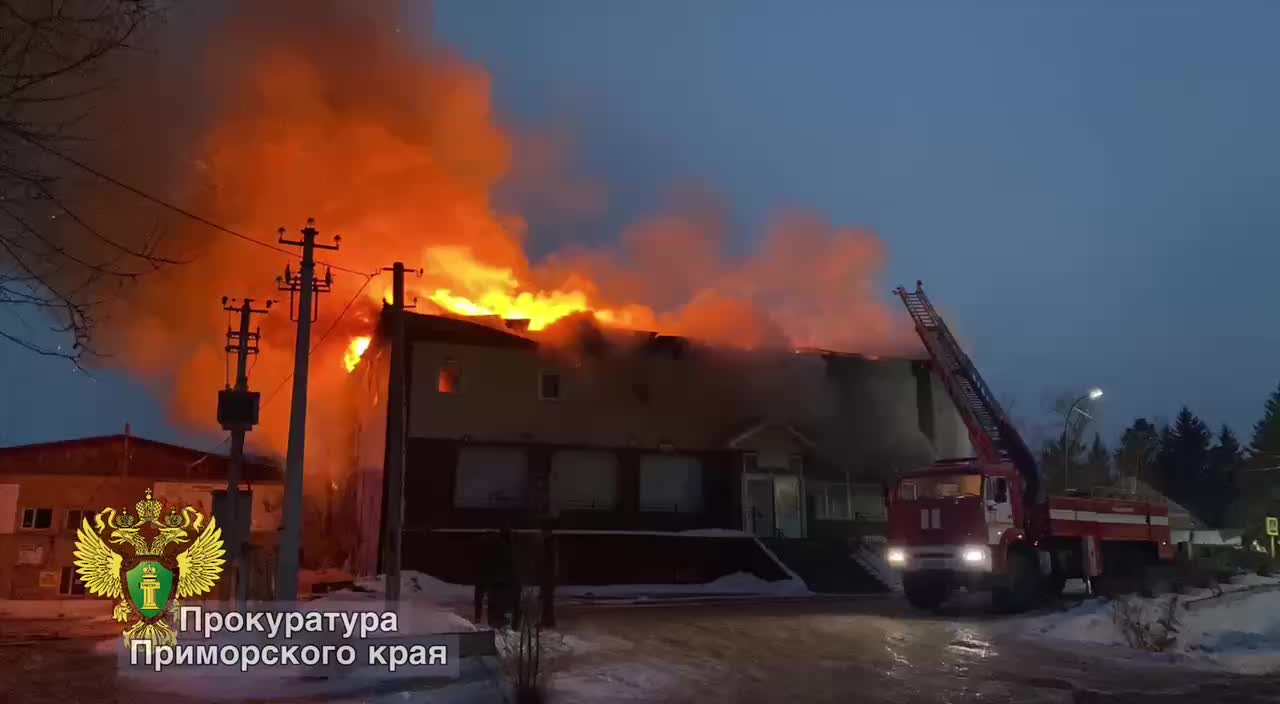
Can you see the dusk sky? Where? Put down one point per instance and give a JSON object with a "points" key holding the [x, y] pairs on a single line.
{"points": [[1086, 191]]}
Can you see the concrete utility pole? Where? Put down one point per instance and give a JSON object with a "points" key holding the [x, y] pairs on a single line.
{"points": [[304, 288], [238, 413], [393, 471]]}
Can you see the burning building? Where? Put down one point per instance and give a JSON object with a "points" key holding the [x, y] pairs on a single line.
{"points": [[606, 429]]}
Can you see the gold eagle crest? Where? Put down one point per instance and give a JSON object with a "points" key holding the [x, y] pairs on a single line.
{"points": [[152, 575]]}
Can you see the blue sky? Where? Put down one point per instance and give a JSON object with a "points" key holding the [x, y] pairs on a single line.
{"points": [[1086, 188]]}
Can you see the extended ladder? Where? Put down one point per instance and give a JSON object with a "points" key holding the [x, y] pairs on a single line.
{"points": [[993, 436]]}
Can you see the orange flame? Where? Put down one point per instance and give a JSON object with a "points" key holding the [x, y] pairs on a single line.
{"points": [[355, 350]]}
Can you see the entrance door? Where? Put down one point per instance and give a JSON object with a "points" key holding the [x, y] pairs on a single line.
{"points": [[758, 507], [788, 506]]}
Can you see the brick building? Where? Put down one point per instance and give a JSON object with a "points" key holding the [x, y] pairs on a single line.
{"points": [[47, 488]]}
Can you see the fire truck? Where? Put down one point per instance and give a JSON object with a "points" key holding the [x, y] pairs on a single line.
{"points": [[984, 522]]}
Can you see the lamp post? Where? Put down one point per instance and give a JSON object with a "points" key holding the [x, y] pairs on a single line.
{"points": [[1093, 395]]}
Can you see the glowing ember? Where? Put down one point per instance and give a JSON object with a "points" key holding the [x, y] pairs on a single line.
{"points": [[355, 351]]}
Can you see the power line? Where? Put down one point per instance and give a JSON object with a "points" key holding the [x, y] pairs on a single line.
{"points": [[288, 377], [166, 204], [315, 346]]}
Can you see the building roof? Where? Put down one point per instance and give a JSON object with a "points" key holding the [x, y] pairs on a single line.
{"points": [[126, 456], [493, 331]]}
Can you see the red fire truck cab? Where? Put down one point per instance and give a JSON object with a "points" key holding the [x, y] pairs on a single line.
{"points": [[983, 523], [961, 524]]}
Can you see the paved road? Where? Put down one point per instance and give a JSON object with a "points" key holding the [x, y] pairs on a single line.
{"points": [[857, 650], [868, 650]]}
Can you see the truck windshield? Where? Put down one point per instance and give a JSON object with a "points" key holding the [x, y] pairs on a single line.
{"points": [[940, 487]]}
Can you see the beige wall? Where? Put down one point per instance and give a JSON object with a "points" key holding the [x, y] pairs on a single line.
{"points": [[863, 417], [498, 400]]}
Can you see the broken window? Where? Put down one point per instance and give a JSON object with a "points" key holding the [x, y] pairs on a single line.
{"points": [[450, 378], [37, 518], [549, 386]]}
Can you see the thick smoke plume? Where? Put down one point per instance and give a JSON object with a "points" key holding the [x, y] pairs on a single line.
{"points": [[263, 114]]}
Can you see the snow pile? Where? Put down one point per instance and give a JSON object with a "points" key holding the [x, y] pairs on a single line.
{"points": [[415, 616], [1238, 630], [417, 586]]}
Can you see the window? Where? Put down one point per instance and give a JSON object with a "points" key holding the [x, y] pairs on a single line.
{"points": [[866, 502], [941, 487], [76, 516], [70, 583], [750, 462], [830, 501], [584, 480], [490, 477], [998, 490], [670, 483], [549, 386], [449, 380], [37, 518]]}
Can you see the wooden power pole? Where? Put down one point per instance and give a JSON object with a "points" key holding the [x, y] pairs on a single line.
{"points": [[393, 471]]}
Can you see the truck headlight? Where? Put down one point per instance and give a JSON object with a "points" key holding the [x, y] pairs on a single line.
{"points": [[896, 556], [973, 554]]}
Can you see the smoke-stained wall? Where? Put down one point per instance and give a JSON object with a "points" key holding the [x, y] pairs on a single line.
{"points": [[864, 414]]}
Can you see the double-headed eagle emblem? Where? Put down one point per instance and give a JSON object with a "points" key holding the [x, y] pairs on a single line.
{"points": [[149, 582]]}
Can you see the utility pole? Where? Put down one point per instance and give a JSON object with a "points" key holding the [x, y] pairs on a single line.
{"points": [[304, 289], [238, 413], [393, 472]]}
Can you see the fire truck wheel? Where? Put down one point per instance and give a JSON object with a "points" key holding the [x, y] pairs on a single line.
{"points": [[1020, 588], [924, 591]]}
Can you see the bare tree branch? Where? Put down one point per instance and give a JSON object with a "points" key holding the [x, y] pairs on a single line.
{"points": [[52, 258]]}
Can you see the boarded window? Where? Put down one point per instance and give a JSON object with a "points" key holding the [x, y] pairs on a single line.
{"points": [[491, 477], [449, 380], [671, 483], [584, 480]]}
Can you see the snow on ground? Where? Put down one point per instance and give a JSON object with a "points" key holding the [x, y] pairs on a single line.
{"points": [[1236, 630], [421, 610]]}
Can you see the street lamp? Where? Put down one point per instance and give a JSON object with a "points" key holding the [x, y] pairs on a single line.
{"points": [[1094, 394]]}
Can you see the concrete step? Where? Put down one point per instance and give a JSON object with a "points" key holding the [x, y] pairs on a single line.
{"points": [[826, 566]]}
